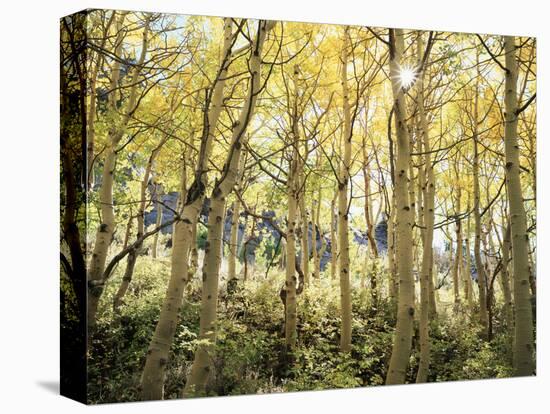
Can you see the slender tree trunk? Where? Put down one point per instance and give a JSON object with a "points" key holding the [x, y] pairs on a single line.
{"points": [[314, 251], [367, 203], [505, 275], [290, 279], [106, 227], [405, 313], [343, 188], [481, 276], [428, 190], [251, 236], [132, 256], [523, 333], [488, 247], [91, 115], [532, 280], [433, 293], [468, 289], [196, 384], [128, 231], [333, 240], [184, 238], [233, 246], [304, 239], [193, 256], [480, 267], [128, 272], [459, 267], [458, 262], [370, 227], [317, 255], [322, 249], [158, 195], [293, 203], [393, 286], [412, 204]]}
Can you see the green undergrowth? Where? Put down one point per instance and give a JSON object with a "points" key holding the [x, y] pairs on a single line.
{"points": [[250, 354]]}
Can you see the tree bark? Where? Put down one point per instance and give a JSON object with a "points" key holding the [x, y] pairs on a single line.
{"points": [[233, 247], [132, 256], [184, 238], [393, 286], [505, 278], [405, 313], [196, 384], [343, 188], [367, 204], [428, 190], [333, 239], [105, 230], [523, 332], [480, 266], [316, 213], [304, 236], [91, 115], [467, 272], [290, 275], [457, 269], [158, 195], [481, 276]]}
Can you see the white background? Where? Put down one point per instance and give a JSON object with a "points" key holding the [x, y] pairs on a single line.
{"points": [[29, 189]]}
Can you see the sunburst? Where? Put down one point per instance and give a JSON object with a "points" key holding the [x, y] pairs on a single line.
{"points": [[407, 76]]}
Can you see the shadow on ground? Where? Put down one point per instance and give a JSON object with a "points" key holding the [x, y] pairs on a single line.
{"points": [[51, 386]]}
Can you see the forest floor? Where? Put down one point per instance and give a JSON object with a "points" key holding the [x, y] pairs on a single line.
{"points": [[250, 353]]}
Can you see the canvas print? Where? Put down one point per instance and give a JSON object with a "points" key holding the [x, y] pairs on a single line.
{"points": [[255, 206]]}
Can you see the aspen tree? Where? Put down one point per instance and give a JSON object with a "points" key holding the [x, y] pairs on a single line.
{"points": [[196, 384], [505, 276], [106, 227], [128, 231], [402, 341], [333, 239], [433, 272], [467, 272], [184, 238], [343, 188], [314, 251], [317, 253], [369, 221], [323, 248], [290, 272], [480, 268], [249, 232], [234, 237], [428, 189], [158, 206], [304, 233], [523, 327], [132, 256], [457, 268], [293, 194], [92, 106], [304, 239], [393, 287], [367, 202], [412, 203], [233, 246], [432, 291], [193, 258]]}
